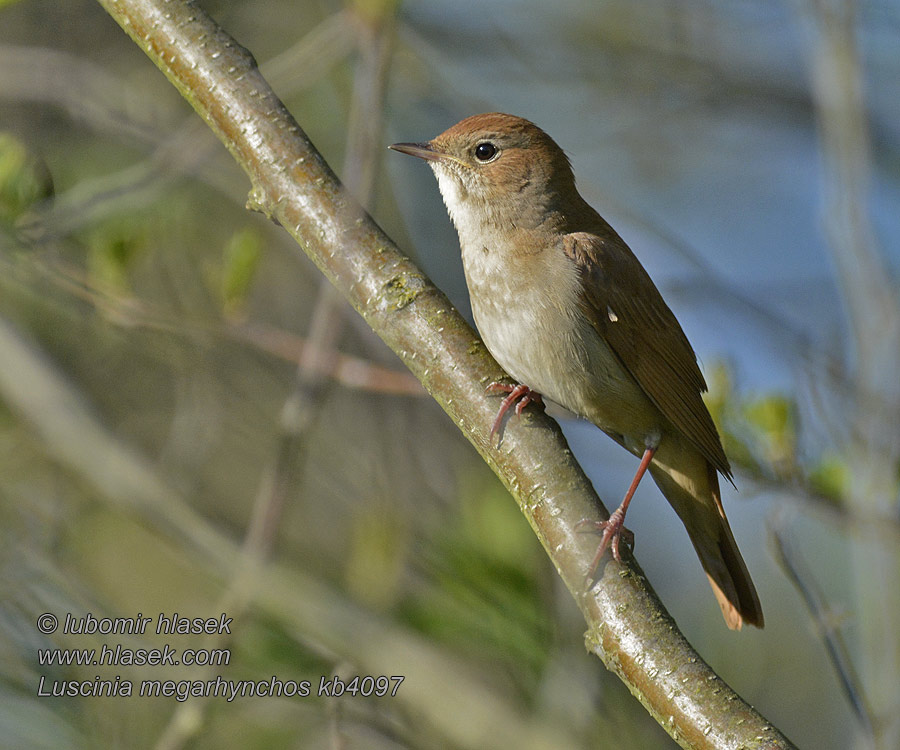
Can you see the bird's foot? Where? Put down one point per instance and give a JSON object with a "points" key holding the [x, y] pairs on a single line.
{"points": [[517, 393], [613, 531]]}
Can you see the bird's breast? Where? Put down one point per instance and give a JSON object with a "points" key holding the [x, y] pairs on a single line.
{"points": [[528, 311]]}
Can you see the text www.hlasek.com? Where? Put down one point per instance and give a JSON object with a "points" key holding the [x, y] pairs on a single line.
{"points": [[130, 657]]}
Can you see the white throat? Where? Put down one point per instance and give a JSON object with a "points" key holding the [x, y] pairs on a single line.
{"points": [[467, 216]]}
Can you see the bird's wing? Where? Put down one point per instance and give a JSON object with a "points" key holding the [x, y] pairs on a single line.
{"points": [[627, 310]]}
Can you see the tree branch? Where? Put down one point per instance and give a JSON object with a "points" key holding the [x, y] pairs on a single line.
{"points": [[291, 183]]}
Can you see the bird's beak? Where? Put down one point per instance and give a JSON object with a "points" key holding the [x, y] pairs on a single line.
{"points": [[422, 150]]}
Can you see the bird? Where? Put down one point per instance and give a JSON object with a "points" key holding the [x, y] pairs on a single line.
{"points": [[568, 311]]}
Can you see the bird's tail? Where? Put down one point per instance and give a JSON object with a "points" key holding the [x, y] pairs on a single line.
{"points": [[691, 485]]}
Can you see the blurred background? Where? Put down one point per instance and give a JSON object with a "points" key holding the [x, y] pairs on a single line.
{"points": [[169, 421]]}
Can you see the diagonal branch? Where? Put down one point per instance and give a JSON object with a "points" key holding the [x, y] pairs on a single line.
{"points": [[291, 183]]}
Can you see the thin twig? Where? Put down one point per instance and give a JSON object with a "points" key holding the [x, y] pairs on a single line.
{"points": [[345, 370], [827, 624]]}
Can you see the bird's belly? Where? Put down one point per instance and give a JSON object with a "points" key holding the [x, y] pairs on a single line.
{"points": [[562, 357]]}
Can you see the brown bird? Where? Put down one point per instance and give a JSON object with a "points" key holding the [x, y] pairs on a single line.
{"points": [[569, 312]]}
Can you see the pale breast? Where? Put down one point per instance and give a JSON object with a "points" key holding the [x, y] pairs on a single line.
{"points": [[531, 321]]}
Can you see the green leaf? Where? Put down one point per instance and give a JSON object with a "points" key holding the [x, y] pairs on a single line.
{"points": [[772, 417], [112, 249], [830, 477], [24, 179], [240, 262]]}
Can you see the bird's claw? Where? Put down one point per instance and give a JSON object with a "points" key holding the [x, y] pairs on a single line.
{"points": [[520, 395], [613, 531]]}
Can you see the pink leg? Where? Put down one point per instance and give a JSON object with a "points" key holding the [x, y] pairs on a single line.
{"points": [[521, 393], [614, 528]]}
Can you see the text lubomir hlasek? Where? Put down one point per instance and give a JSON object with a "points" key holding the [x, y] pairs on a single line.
{"points": [[173, 624]]}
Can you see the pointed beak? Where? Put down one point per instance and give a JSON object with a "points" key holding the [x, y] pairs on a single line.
{"points": [[422, 150]]}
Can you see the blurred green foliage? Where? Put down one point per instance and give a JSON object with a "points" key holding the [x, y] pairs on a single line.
{"points": [[831, 478], [24, 180], [240, 262], [772, 418], [112, 249]]}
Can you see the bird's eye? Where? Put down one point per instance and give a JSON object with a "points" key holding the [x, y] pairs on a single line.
{"points": [[486, 151]]}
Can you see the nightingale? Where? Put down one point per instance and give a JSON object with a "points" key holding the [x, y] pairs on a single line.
{"points": [[569, 312]]}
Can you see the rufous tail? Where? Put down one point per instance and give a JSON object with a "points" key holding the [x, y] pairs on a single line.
{"points": [[691, 485]]}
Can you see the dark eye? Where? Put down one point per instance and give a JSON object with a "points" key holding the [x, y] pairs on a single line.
{"points": [[485, 151]]}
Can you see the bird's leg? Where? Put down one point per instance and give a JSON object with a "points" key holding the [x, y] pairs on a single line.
{"points": [[613, 529], [521, 393]]}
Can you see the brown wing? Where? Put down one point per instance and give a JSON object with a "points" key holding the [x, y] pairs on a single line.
{"points": [[627, 310]]}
